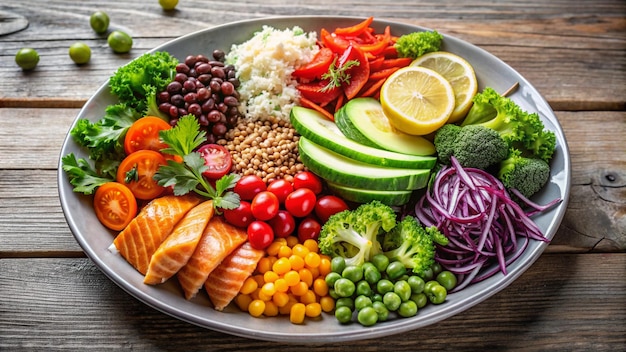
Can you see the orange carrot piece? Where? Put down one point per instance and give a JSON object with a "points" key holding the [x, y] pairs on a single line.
{"points": [[375, 76], [340, 100], [311, 105], [374, 88], [399, 62]]}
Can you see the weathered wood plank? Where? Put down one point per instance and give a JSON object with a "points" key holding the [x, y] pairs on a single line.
{"points": [[68, 304], [528, 37]]}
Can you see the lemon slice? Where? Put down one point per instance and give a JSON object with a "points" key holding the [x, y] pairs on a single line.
{"points": [[458, 72], [417, 100]]}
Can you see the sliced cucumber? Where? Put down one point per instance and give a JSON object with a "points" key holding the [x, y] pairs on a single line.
{"points": [[342, 170], [348, 129], [318, 129], [359, 195], [366, 115]]}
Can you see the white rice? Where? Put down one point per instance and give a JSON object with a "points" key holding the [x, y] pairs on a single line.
{"points": [[264, 65]]}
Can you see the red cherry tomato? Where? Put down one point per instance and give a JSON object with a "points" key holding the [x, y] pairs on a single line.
{"points": [[329, 205], [217, 158], [307, 179], [265, 205], [300, 202], [309, 228], [248, 186], [240, 216], [260, 234], [281, 188], [283, 224]]}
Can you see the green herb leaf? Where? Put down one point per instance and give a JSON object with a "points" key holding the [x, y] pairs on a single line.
{"points": [[338, 75], [184, 137], [81, 175]]}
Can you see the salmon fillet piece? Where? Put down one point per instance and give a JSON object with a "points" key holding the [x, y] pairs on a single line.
{"points": [[177, 248], [143, 235], [226, 280], [217, 242]]}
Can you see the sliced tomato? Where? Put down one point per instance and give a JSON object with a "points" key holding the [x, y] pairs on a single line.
{"points": [[318, 65], [217, 158], [144, 134], [357, 29], [316, 92], [137, 171], [115, 205], [358, 74]]}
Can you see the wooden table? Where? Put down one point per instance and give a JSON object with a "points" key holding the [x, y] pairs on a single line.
{"points": [[572, 299]]}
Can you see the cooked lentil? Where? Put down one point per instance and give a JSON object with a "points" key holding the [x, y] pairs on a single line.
{"points": [[266, 148]]}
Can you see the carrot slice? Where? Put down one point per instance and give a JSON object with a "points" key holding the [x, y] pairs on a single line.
{"points": [[399, 62], [357, 29], [374, 88], [311, 105], [375, 76]]}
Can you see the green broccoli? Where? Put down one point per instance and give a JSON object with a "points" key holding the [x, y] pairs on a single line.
{"points": [[136, 83], [517, 127], [354, 234], [473, 146], [416, 44], [526, 175], [413, 244]]}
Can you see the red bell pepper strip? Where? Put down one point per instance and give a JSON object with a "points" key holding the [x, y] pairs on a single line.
{"points": [[316, 92], [358, 74], [376, 63], [374, 88], [382, 74], [318, 65], [335, 43], [357, 29], [400, 62], [311, 105]]}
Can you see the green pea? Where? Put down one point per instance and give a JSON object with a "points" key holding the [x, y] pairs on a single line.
{"points": [[420, 299], [427, 274], [333, 294], [344, 287], [120, 42], [27, 58], [361, 302], [353, 273], [395, 270], [80, 53], [337, 264], [377, 297], [380, 261], [99, 22], [343, 315], [381, 310], [403, 290], [367, 316], [331, 278], [392, 301], [407, 309], [363, 288], [437, 268], [371, 274], [447, 279], [344, 302], [429, 285], [383, 286], [437, 294], [416, 283]]}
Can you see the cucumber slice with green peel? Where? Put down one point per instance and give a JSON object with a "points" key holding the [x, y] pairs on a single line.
{"points": [[366, 115], [348, 129], [359, 195], [318, 129], [336, 168]]}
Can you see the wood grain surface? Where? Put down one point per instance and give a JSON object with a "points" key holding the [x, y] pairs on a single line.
{"points": [[53, 298]]}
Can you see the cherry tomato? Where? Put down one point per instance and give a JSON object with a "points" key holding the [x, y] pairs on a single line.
{"points": [[137, 171], [217, 158], [281, 188], [265, 205], [283, 224], [240, 216], [329, 205], [309, 228], [260, 234], [307, 179], [144, 134], [300, 202], [248, 186], [115, 205]]}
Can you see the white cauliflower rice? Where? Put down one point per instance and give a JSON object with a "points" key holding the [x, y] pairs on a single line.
{"points": [[264, 66]]}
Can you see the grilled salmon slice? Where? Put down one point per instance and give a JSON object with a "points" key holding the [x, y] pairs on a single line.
{"points": [[144, 234], [226, 280], [217, 242], [177, 248]]}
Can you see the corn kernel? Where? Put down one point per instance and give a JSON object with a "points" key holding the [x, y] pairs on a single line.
{"points": [[320, 287], [311, 244], [243, 301], [268, 289], [292, 278], [297, 262], [264, 265], [324, 265], [281, 285], [270, 276], [271, 310], [327, 303], [299, 289], [249, 286], [300, 250], [256, 308], [312, 260], [280, 299], [313, 310], [297, 313], [284, 251], [306, 275], [281, 266], [308, 297], [292, 241]]}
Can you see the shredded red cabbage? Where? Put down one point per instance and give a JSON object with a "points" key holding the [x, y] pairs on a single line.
{"points": [[482, 222]]}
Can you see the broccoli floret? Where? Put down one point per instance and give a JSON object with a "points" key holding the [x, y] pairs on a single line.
{"points": [[473, 146], [527, 175], [517, 127], [354, 234], [136, 83], [416, 44], [412, 244]]}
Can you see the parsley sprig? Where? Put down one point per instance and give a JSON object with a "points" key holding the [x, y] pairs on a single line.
{"points": [[338, 75], [186, 176]]}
